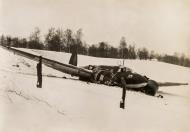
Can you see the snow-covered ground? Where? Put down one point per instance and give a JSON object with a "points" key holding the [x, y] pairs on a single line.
{"points": [[70, 105]]}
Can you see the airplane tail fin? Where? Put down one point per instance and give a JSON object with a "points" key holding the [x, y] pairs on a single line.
{"points": [[73, 60]]}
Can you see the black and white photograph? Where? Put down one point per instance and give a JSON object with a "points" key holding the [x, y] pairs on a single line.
{"points": [[94, 65]]}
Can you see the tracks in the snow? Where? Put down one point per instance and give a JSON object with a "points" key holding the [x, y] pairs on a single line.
{"points": [[32, 98]]}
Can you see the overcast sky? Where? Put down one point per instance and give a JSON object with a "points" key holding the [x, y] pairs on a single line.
{"points": [[161, 25]]}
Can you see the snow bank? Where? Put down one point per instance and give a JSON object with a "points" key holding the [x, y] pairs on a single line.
{"points": [[71, 105]]}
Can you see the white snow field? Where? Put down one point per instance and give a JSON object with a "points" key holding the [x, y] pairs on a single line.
{"points": [[70, 105]]}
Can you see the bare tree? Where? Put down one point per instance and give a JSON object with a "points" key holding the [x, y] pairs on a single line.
{"points": [[68, 39], [34, 40]]}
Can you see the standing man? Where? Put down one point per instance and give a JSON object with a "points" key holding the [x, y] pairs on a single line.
{"points": [[120, 79], [39, 73], [122, 102]]}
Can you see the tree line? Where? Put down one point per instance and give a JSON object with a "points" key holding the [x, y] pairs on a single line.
{"points": [[67, 40]]}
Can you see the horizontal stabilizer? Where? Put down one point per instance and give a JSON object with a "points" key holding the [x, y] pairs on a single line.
{"points": [[162, 84]]}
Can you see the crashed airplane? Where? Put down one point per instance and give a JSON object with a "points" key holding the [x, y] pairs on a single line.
{"points": [[102, 74]]}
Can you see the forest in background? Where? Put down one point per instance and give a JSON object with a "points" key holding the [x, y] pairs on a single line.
{"points": [[67, 41]]}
